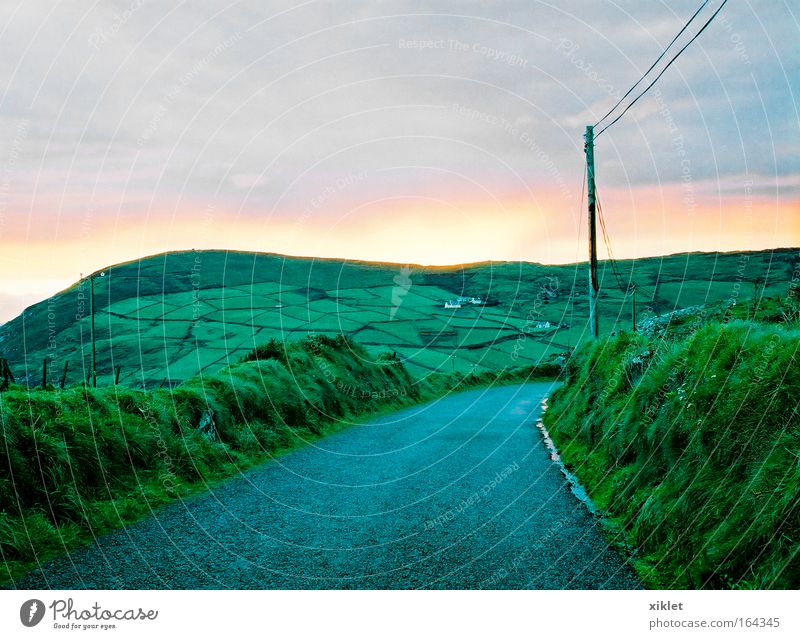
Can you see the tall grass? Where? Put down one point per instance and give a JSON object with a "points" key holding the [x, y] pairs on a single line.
{"points": [[693, 447], [78, 462]]}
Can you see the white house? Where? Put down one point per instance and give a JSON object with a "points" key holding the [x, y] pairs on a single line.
{"points": [[469, 300], [458, 302]]}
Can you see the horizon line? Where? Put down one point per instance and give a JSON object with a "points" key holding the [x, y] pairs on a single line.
{"points": [[330, 258]]}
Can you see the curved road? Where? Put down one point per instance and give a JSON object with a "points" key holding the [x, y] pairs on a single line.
{"points": [[456, 493]]}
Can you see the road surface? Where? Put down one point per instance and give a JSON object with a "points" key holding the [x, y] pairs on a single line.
{"points": [[455, 493]]}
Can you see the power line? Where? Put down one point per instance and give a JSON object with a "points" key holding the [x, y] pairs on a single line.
{"points": [[669, 64], [580, 206], [607, 242], [574, 280], [652, 66], [614, 264]]}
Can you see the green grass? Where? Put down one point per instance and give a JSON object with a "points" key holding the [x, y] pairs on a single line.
{"points": [[147, 319], [79, 462], [690, 440]]}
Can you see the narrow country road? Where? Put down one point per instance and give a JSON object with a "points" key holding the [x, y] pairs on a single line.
{"points": [[456, 493]]}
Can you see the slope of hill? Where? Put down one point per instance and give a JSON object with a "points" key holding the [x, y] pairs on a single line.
{"points": [[170, 316], [688, 436]]}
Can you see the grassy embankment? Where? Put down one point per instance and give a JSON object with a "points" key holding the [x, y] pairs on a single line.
{"points": [[690, 440], [79, 462]]}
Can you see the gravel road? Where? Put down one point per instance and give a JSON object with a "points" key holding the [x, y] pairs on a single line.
{"points": [[455, 493]]}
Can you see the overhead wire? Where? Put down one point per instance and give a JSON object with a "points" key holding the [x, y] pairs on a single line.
{"points": [[652, 66], [606, 239], [580, 226], [613, 260], [669, 64], [607, 242], [580, 206]]}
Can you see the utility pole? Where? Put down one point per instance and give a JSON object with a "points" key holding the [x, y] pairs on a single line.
{"points": [[594, 287], [94, 346]]}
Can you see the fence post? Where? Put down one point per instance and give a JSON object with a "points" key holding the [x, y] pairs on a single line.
{"points": [[5, 374], [64, 374], [116, 377], [44, 373]]}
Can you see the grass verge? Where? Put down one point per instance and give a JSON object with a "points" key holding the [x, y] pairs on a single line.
{"points": [[79, 462], [692, 446]]}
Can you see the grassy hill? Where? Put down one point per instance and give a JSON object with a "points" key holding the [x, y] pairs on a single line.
{"points": [[174, 315], [688, 435]]}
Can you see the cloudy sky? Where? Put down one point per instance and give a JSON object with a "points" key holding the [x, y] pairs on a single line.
{"points": [[406, 131]]}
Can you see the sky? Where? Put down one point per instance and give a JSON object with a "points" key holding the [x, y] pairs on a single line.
{"points": [[433, 132]]}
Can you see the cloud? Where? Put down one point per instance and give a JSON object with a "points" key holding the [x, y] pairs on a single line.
{"points": [[135, 109]]}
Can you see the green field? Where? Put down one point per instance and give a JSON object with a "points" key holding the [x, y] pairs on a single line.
{"points": [[171, 316]]}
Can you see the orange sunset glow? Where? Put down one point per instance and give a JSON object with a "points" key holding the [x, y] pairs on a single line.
{"points": [[383, 150], [644, 222]]}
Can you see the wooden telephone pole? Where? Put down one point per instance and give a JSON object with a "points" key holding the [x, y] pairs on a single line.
{"points": [[594, 286], [94, 346]]}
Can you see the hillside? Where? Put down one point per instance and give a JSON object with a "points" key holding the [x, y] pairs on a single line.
{"points": [[688, 437], [168, 317]]}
